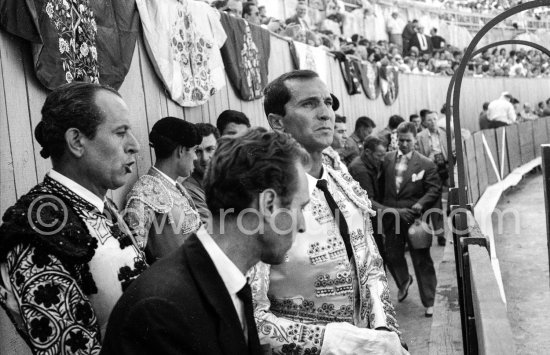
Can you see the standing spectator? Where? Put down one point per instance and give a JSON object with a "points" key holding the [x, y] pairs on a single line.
{"points": [[501, 111], [438, 42], [483, 121], [432, 143], [354, 144], [235, 8], [408, 33], [411, 187], [421, 41], [395, 26], [366, 169], [414, 118], [389, 133], [300, 18], [231, 122], [251, 13], [204, 152]]}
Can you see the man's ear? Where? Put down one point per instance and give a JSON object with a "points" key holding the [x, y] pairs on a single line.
{"points": [[266, 203], [276, 122], [74, 139]]}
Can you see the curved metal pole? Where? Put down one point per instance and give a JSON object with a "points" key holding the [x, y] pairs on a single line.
{"points": [[452, 84], [512, 41], [462, 198]]}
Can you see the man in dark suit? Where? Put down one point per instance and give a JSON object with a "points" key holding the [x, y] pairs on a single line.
{"points": [[421, 41], [300, 18], [412, 186], [197, 299]]}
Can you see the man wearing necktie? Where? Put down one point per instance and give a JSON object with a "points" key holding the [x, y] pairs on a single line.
{"points": [[197, 299], [411, 186], [332, 285], [159, 210]]}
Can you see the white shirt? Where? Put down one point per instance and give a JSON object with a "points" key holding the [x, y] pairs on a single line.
{"points": [[232, 277], [165, 176], [78, 189], [501, 110]]}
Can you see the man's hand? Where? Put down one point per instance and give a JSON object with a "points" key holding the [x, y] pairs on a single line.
{"points": [[417, 208], [406, 214]]}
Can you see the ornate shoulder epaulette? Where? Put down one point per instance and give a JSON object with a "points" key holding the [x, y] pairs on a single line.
{"points": [[48, 222], [151, 191], [352, 189]]}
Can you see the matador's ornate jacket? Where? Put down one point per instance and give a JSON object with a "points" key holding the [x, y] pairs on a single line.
{"points": [[160, 213], [318, 284], [65, 259]]}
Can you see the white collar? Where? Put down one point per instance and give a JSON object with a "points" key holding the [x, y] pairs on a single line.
{"points": [[78, 189], [408, 155], [232, 277], [165, 176], [312, 181]]}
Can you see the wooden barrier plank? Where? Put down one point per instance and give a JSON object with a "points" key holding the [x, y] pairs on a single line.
{"points": [[473, 184], [539, 135], [17, 112], [512, 143], [191, 114], [482, 178], [492, 143], [526, 142], [504, 165], [494, 333], [7, 178]]}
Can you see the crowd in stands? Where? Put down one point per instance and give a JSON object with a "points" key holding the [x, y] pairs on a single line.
{"points": [[507, 110], [409, 49]]}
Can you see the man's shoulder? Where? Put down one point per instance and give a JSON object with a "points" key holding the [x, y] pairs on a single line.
{"points": [[424, 161], [151, 191]]}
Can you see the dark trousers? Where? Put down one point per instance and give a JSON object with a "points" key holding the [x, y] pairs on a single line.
{"points": [[497, 124], [421, 260]]}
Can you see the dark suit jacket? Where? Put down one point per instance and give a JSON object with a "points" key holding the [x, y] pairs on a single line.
{"points": [[368, 176], [414, 42], [425, 191], [294, 20], [178, 306]]}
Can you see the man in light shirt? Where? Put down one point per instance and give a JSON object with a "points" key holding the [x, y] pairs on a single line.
{"points": [[501, 112], [197, 299]]}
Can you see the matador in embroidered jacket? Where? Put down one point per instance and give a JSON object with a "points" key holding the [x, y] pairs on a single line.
{"points": [[160, 213]]}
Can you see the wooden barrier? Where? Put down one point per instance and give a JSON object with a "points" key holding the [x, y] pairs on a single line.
{"points": [[494, 334], [482, 177], [527, 148], [512, 138], [504, 165]]}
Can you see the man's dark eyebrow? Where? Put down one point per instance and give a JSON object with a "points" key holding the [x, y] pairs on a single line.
{"points": [[124, 126]]}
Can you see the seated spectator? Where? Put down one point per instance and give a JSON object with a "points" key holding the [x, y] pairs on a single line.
{"points": [[421, 68], [231, 122], [527, 114]]}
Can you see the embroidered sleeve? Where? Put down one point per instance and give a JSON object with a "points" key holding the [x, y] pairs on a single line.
{"points": [[139, 217], [380, 309], [284, 336], [57, 317]]}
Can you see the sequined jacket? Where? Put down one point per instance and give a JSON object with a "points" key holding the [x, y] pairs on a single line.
{"points": [[318, 284], [160, 214]]}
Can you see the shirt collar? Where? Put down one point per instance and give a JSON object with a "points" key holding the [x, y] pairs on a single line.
{"points": [[312, 181], [434, 133], [172, 181], [408, 155], [232, 277], [78, 189]]}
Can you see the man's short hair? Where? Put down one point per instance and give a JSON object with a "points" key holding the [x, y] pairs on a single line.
{"points": [[371, 142], [171, 132], [423, 113], [69, 106], [206, 129], [364, 121], [407, 127], [231, 116], [340, 119], [277, 94], [394, 121], [247, 8], [485, 106], [412, 117], [244, 167]]}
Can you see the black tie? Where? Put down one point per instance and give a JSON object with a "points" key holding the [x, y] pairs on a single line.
{"points": [[338, 216], [245, 294]]}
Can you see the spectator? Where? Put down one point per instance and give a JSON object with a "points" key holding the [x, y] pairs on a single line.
{"points": [[438, 42], [232, 122], [389, 133], [251, 13], [527, 114], [546, 111], [483, 121], [394, 27], [408, 33], [340, 131], [300, 18], [421, 41], [501, 111], [354, 144], [235, 8], [421, 68], [414, 118]]}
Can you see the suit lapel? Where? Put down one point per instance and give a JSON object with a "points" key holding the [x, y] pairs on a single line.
{"points": [[412, 167], [391, 173], [212, 287]]}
